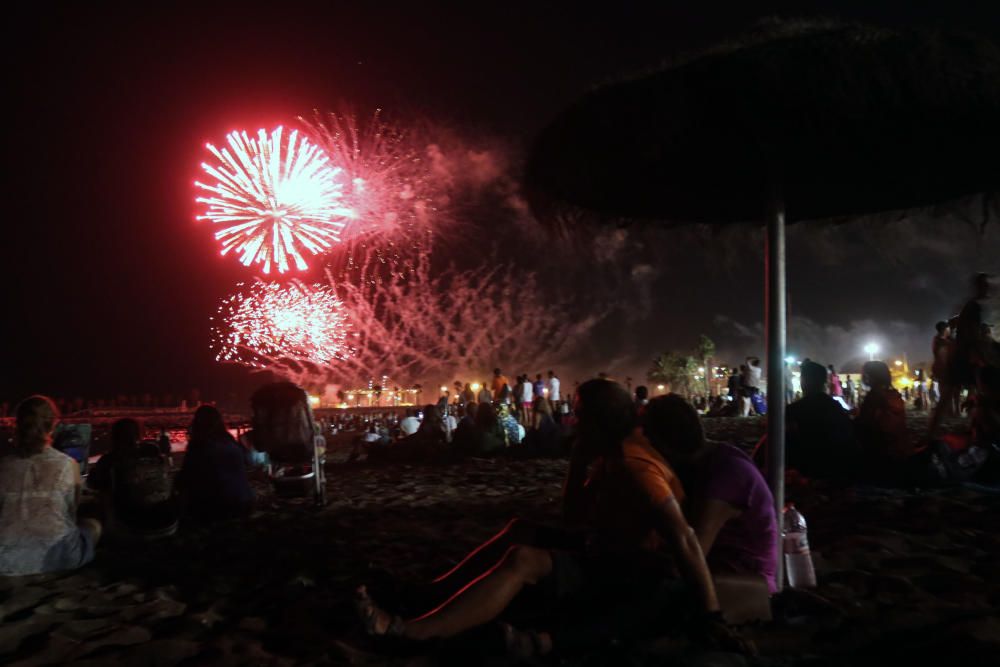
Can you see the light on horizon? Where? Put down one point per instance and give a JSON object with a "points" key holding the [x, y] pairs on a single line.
{"points": [[871, 349]]}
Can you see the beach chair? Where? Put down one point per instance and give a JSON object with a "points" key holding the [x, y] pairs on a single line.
{"points": [[284, 428]]}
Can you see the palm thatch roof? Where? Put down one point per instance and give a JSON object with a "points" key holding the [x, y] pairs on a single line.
{"points": [[849, 120]]}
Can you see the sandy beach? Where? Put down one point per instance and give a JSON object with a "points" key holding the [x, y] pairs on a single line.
{"points": [[905, 576]]}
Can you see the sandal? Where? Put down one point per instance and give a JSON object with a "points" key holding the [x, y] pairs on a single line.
{"points": [[371, 615]]}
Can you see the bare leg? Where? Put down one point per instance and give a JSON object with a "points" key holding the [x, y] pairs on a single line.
{"points": [[484, 599], [485, 556], [478, 603]]}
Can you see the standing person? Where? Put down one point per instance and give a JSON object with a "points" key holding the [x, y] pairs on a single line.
{"points": [[836, 389], [849, 391], [39, 492], [554, 388], [485, 395], [538, 388], [943, 349], [789, 387], [733, 388], [641, 397], [499, 380], [527, 397], [973, 346], [754, 375], [746, 391], [468, 396]]}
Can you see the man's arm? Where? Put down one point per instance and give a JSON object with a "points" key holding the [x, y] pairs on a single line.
{"points": [[687, 553]]}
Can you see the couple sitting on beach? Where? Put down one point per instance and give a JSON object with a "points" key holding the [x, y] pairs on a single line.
{"points": [[823, 442], [137, 488], [632, 563]]}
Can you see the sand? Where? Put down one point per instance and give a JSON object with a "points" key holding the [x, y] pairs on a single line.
{"points": [[905, 576]]}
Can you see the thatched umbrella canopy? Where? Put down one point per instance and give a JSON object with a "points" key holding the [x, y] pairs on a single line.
{"points": [[826, 120]]}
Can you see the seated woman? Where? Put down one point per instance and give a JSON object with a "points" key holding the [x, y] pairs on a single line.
{"points": [[626, 491], [135, 482], [213, 478], [881, 425], [39, 492], [543, 436], [486, 437], [730, 506]]}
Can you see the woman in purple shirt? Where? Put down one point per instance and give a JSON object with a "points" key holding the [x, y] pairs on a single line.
{"points": [[731, 508]]}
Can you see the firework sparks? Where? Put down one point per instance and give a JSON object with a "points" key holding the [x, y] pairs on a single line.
{"points": [[387, 184], [268, 324], [275, 197]]}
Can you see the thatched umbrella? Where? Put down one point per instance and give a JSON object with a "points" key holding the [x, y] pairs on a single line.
{"points": [[828, 120]]}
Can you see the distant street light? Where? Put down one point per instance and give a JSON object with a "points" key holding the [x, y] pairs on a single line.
{"points": [[898, 362], [660, 387], [871, 349], [789, 360]]}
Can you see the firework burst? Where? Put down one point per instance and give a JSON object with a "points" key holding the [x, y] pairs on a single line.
{"points": [[267, 325], [387, 185], [275, 198]]}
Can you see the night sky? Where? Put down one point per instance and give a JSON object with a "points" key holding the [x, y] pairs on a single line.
{"points": [[110, 282]]}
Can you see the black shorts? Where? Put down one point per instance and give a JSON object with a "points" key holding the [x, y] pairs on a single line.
{"points": [[585, 574], [602, 599]]}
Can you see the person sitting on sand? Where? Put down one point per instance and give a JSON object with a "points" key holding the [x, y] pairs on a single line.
{"points": [[820, 436], [409, 424], [39, 492], [461, 439], [627, 493], [213, 478], [880, 426], [511, 428], [486, 436], [430, 441], [729, 503], [543, 436], [135, 484]]}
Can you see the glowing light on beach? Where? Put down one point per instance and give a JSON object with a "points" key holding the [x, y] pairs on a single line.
{"points": [[871, 349], [275, 198], [268, 322]]}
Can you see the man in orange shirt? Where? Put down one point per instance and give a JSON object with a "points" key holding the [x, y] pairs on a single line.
{"points": [[499, 380]]}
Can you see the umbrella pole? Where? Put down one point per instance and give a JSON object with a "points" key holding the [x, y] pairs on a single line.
{"points": [[774, 260]]}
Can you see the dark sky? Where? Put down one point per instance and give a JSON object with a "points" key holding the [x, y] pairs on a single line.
{"points": [[110, 283]]}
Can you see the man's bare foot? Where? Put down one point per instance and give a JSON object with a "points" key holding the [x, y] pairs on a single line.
{"points": [[377, 621]]}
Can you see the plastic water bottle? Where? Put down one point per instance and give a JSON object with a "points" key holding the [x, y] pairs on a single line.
{"points": [[798, 560]]}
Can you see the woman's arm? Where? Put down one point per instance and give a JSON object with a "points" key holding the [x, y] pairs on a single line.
{"points": [[686, 550]]}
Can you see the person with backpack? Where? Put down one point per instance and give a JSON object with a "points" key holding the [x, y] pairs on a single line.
{"points": [[135, 484], [213, 478]]}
